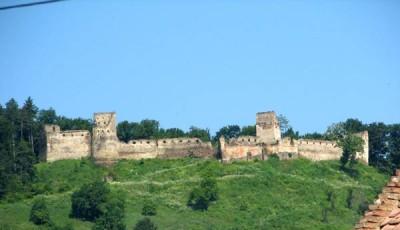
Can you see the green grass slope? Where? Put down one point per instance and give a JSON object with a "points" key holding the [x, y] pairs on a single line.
{"points": [[269, 194]]}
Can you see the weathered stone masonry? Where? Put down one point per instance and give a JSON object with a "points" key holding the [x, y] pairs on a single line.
{"points": [[105, 147], [268, 141]]}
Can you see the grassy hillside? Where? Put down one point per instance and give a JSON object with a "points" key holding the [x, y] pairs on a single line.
{"points": [[269, 194]]}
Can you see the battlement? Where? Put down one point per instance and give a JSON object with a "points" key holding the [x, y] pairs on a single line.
{"points": [[269, 141], [243, 140], [105, 147], [71, 144]]}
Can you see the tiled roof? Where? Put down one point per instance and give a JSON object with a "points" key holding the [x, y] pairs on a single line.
{"points": [[385, 212]]}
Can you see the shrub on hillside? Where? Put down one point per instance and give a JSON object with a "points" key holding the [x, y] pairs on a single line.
{"points": [[145, 224], [209, 185], [200, 197], [112, 217], [149, 208], [39, 213], [198, 200], [87, 201]]}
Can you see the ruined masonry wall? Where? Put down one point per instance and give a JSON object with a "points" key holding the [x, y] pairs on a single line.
{"points": [[239, 148], [319, 150], [108, 148], [165, 148], [73, 144]]}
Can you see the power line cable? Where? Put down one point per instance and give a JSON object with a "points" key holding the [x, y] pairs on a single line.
{"points": [[29, 4]]}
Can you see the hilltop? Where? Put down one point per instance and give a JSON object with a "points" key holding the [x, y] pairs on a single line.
{"points": [[272, 194]]}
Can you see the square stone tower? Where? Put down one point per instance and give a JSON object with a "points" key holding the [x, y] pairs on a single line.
{"points": [[267, 128], [105, 141]]}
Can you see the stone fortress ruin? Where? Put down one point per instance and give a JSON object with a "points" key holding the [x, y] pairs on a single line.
{"points": [[104, 146], [268, 141]]}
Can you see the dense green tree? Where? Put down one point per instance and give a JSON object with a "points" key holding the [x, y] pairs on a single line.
{"points": [[39, 213], [145, 224], [394, 144], [24, 162], [378, 146], [125, 131], [112, 216], [47, 116], [88, 200], [209, 185], [249, 130], [291, 133], [229, 131], [283, 123], [74, 124], [203, 134], [28, 119], [314, 135], [171, 133], [350, 145], [150, 128], [149, 208], [200, 197]]}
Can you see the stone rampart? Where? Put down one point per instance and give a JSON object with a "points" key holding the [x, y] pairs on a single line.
{"points": [[72, 144]]}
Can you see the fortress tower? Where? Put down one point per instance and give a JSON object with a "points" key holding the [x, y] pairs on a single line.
{"points": [[267, 128], [105, 141]]}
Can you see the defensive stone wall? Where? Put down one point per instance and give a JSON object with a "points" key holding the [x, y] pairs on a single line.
{"points": [[165, 148], [268, 141], [318, 150], [243, 147], [72, 144]]}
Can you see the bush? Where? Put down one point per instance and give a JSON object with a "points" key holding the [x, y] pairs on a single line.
{"points": [[39, 213], [149, 208], [200, 198], [209, 185], [87, 201], [112, 217], [145, 224], [243, 206]]}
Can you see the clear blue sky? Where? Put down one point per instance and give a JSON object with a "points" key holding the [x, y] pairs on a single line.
{"points": [[206, 63]]}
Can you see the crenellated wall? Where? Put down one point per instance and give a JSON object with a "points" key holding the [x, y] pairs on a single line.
{"points": [[268, 141], [243, 147], [104, 145], [165, 148], [72, 144], [106, 148], [318, 149]]}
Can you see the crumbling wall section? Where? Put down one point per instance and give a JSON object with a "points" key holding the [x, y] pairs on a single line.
{"points": [[285, 149], [138, 149], [318, 150], [182, 147], [73, 144], [243, 147]]}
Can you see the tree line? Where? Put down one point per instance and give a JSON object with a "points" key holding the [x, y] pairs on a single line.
{"points": [[22, 140], [150, 129]]}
